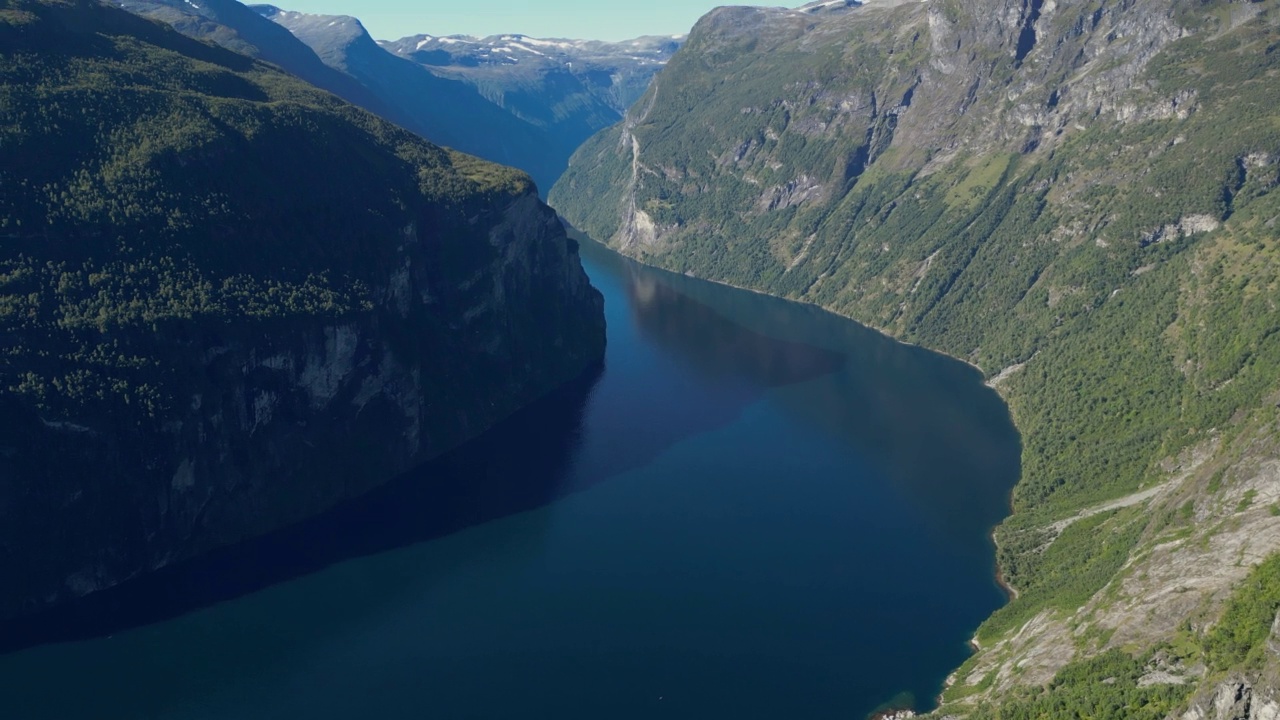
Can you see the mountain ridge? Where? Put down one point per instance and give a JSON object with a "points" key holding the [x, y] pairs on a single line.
{"points": [[1077, 197], [232, 300], [532, 117], [555, 105], [614, 73], [233, 25]]}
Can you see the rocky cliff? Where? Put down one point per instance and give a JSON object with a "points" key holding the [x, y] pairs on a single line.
{"points": [[230, 301], [1077, 197]]}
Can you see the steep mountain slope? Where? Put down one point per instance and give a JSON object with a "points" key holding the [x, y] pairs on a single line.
{"points": [[229, 301], [232, 25], [348, 63], [447, 109], [1078, 197], [587, 83], [520, 101]]}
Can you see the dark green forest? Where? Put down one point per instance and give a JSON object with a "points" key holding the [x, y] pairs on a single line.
{"points": [[1124, 269], [154, 188]]}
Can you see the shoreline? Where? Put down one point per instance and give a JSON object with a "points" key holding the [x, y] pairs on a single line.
{"points": [[900, 714], [577, 234], [1010, 591]]}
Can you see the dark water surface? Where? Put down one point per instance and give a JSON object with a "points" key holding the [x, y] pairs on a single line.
{"points": [[755, 510]]}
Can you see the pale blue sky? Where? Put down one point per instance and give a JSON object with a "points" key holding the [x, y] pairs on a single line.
{"points": [[585, 19]]}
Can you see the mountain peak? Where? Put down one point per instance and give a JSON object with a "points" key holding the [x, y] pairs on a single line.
{"points": [[335, 38], [823, 6], [518, 49]]}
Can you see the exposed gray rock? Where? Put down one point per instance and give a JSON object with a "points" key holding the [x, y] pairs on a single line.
{"points": [[291, 420]]}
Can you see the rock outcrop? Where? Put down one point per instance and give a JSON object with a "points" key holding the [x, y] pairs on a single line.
{"points": [[303, 303], [1082, 193], [1252, 696]]}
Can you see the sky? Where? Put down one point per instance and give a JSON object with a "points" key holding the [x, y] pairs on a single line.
{"points": [[581, 19]]}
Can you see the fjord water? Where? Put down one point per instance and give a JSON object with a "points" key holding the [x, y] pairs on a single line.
{"points": [[755, 510]]}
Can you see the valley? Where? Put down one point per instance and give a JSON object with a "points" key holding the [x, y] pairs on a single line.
{"points": [[1075, 201], [525, 102], [1083, 192], [711, 523]]}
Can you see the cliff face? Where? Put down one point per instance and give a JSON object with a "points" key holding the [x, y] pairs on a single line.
{"points": [[793, 112], [230, 302], [1077, 197]]}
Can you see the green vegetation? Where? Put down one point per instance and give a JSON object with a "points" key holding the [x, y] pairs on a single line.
{"points": [[1068, 572], [1239, 639], [1107, 685], [158, 190], [1247, 501], [1126, 261], [1101, 688], [1132, 267]]}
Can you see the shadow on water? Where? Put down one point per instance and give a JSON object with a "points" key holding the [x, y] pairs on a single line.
{"points": [[788, 516], [566, 442], [518, 465]]}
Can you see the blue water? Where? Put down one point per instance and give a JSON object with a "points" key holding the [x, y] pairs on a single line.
{"points": [[755, 510]]}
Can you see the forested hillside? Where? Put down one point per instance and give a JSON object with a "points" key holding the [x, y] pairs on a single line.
{"points": [[209, 270], [1077, 197]]}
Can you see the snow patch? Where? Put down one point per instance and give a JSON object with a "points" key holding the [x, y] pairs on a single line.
{"points": [[547, 43], [519, 46]]}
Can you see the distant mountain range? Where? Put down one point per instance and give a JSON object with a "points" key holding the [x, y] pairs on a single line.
{"points": [[520, 101], [616, 74]]}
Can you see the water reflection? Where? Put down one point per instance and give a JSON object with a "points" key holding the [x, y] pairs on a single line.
{"points": [[925, 421], [677, 368], [717, 348], [757, 509], [528, 461]]}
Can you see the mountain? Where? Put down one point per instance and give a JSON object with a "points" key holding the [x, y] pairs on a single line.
{"points": [[521, 101], [348, 63], [567, 89], [828, 6], [1078, 198], [547, 81], [234, 26], [230, 301]]}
